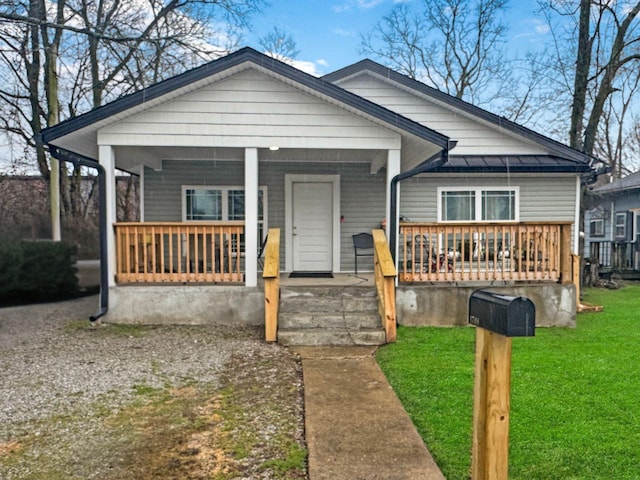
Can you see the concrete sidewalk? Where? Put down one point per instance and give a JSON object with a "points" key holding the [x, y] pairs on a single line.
{"points": [[356, 428]]}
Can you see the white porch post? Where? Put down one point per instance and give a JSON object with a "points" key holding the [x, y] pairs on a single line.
{"points": [[106, 157], [393, 169], [251, 216]]}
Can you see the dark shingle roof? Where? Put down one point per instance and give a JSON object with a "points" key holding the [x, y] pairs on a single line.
{"points": [[512, 163], [630, 182]]}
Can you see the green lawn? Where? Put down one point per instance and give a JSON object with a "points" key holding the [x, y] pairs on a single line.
{"points": [[575, 396]]}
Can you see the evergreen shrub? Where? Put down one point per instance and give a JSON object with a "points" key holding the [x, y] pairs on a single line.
{"points": [[45, 271]]}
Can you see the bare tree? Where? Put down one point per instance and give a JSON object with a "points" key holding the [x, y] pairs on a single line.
{"points": [[616, 132], [278, 44], [604, 38], [454, 45], [78, 53]]}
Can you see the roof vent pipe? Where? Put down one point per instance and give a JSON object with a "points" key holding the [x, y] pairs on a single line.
{"points": [[80, 160]]}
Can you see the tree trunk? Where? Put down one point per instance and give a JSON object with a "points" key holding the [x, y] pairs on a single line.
{"points": [[583, 63]]}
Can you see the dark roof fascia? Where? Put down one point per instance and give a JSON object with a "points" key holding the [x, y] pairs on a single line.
{"points": [[246, 54], [511, 164], [457, 103]]}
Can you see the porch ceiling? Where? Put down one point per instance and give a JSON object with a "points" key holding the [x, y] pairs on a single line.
{"points": [[131, 158]]}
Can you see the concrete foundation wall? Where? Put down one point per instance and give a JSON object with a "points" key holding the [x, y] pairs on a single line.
{"points": [[422, 305], [186, 305]]}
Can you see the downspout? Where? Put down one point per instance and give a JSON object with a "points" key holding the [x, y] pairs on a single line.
{"points": [[80, 160], [432, 163]]}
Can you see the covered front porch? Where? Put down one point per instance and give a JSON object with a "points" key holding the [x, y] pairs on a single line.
{"points": [[215, 252], [203, 284]]}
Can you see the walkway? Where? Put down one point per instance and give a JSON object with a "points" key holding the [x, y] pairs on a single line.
{"points": [[356, 428]]}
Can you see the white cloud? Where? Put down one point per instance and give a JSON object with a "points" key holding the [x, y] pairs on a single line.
{"points": [[358, 4], [305, 65], [366, 4], [308, 67], [541, 27], [343, 32], [536, 29]]}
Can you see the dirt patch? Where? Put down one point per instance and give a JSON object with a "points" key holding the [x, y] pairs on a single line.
{"points": [[145, 403]]}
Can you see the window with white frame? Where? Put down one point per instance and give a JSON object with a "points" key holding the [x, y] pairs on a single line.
{"points": [[621, 225], [481, 204], [596, 227], [203, 203]]}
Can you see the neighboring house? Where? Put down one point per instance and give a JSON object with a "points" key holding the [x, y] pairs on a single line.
{"points": [[246, 143], [612, 227]]}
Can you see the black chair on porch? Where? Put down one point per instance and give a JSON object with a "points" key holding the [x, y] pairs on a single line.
{"points": [[362, 241]]}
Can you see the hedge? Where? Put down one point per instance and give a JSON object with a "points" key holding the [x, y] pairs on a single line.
{"points": [[37, 271]]}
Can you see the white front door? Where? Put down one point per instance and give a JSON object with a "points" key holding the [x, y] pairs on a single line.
{"points": [[312, 226]]}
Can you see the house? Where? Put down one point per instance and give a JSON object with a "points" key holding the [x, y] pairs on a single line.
{"points": [[246, 143], [612, 227]]}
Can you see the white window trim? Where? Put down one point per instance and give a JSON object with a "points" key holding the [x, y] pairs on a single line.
{"points": [[623, 225], [225, 202], [478, 199], [636, 222]]}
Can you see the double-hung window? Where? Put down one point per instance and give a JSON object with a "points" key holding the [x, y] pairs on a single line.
{"points": [[621, 225], [475, 204], [204, 203], [596, 227]]}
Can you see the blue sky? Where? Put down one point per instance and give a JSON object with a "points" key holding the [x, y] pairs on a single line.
{"points": [[327, 32]]}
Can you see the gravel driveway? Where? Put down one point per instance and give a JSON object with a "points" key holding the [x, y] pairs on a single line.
{"points": [[61, 379]]}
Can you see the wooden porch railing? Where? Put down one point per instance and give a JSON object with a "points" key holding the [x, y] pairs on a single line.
{"points": [[271, 276], [431, 252], [179, 252], [385, 277]]}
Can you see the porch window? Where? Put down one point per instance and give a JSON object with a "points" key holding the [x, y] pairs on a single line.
{"points": [[596, 227], [220, 203], [621, 225], [478, 204]]}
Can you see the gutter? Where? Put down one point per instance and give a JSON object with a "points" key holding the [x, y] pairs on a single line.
{"points": [[432, 163], [80, 160]]}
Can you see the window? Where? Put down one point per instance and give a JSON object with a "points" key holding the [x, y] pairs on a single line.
{"points": [[596, 227], [494, 204], [621, 225], [220, 203], [203, 204]]}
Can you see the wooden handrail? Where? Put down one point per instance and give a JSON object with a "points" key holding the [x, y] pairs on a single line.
{"points": [[502, 251], [271, 276], [178, 252], [385, 277]]}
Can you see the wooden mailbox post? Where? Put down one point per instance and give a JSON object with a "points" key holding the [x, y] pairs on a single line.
{"points": [[498, 318]]}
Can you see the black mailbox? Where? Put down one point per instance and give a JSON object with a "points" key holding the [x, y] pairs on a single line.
{"points": [[505, 314]]}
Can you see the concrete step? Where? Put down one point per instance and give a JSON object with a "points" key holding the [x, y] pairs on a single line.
{"points": [[329, 320], [329, 316], [321, 336], [328, 299]]}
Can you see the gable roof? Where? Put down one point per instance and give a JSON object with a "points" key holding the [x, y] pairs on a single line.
{"points": [[558, 150], [327, 89], [630, 182]]}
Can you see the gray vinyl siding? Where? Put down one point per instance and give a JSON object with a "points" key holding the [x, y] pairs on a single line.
{"points": [[249, 108], [541, 198], [474, 137], [163, 189], [362, 194]]}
